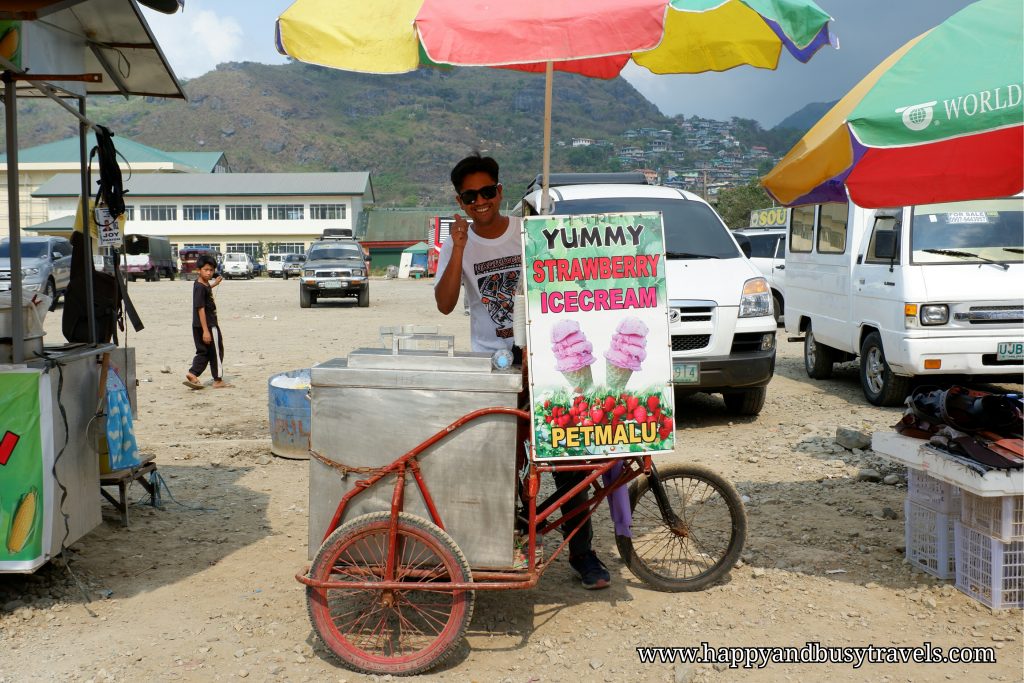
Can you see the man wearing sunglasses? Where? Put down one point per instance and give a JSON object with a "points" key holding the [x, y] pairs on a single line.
{"points": [[484, 254]]}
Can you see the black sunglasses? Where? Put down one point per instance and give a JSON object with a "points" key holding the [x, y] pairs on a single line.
{"points": [[488, 192]]}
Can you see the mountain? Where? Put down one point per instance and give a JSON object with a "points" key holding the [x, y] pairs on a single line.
{"points": [[806, 117], [407, 130]]}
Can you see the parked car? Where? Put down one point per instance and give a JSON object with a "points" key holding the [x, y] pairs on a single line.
{"points": [[723, 332], [292, 265], [45, 266], [238, 264], [768, 254], [190, 257], [274, 264], [335, 268]]}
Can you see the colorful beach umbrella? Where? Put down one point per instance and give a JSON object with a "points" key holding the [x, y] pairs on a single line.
{"points": [[941, 119], [595, 38]]}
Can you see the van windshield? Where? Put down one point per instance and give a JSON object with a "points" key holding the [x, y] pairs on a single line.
{"points": [[28, 249], [692, 229], [969, 232]]}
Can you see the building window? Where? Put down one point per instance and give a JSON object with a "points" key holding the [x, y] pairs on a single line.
{"points": [[244, 212], [284, 212], [200, 212], [288, 248], [801, 229], [158, 212], [326, 212], [129, 212], [250, 248], [832, 228]]}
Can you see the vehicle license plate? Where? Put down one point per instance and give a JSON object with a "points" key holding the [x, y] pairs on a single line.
{"points": [[686, 373], [332, 284], [1010, 351]]}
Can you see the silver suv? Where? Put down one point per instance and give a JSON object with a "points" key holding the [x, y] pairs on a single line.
{"points": [[45, 266], [335, 268]]}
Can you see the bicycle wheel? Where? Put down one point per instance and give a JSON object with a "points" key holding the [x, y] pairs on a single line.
{"points": [[702, 541], [400, 632]]}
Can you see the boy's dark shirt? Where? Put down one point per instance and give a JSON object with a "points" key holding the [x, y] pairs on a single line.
{"points": [[202, 297]]}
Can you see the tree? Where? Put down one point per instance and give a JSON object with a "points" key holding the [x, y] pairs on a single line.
{"points": [[736, 203]]}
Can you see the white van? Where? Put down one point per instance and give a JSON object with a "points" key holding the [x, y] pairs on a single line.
{"points": [[237, 264], [722, 327], [915, 291], [275, 263]]}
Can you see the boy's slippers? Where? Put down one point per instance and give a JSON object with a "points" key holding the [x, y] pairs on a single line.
{"points": [[192, 385], [224, 385]]}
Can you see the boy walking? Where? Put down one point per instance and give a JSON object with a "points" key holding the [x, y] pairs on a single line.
{"points": [[205, 330]]}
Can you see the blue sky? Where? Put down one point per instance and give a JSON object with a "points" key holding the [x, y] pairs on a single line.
{"points": [[209, 32]]}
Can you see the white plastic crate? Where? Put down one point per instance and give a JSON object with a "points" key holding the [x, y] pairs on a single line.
{"points": [[1001, 516], [929, 539], [989, 570], [932, 493]]}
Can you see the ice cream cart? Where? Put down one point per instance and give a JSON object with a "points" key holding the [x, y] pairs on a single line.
{"points": [[400, 545]]}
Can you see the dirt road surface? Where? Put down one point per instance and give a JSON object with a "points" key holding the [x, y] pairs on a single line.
{"points": [[202, 590]]}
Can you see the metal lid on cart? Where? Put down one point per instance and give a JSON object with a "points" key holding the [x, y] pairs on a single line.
{"points": [[416, 369]]}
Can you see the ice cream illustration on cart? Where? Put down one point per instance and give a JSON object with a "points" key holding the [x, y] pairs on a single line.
{"points": [[573, 354], [626, 353]]}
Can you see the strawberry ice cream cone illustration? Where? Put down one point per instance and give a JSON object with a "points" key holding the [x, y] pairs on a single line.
{"points": [[626, 353], [573, 354]]}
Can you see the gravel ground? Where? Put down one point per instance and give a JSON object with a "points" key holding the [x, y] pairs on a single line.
{"points": [[203, 590]]}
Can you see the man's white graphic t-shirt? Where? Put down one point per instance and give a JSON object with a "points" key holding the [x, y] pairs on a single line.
{"points": [[491, 272]]}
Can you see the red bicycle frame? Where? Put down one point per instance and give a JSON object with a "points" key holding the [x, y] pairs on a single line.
{"points": [[632, 467]]}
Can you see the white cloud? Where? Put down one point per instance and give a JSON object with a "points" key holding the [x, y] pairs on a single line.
{"points": [[196, 41]]}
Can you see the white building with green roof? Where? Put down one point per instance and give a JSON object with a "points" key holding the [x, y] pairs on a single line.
{"points": [[249, 212], [36, 165]]}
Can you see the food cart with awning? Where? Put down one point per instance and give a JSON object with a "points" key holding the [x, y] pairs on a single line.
{"points": [[49, 465]]}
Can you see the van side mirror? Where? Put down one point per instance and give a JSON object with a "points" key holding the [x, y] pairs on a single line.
{"points": [[56, 255], [885, 245], [744, 243]]}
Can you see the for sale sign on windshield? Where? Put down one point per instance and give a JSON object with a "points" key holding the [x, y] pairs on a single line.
{"points": [[597, 328]]}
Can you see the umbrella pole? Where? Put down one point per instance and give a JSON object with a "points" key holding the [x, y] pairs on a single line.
{"points": [[14, 218], [545, 199]]}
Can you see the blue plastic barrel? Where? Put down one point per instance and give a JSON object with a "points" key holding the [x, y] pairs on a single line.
{"points": [[289, 414]]}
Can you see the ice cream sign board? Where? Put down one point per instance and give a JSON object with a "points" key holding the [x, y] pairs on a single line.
{"points": [[597, 326]]}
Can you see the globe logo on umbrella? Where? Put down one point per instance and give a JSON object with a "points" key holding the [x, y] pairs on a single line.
{"points": [[918, 116]]}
